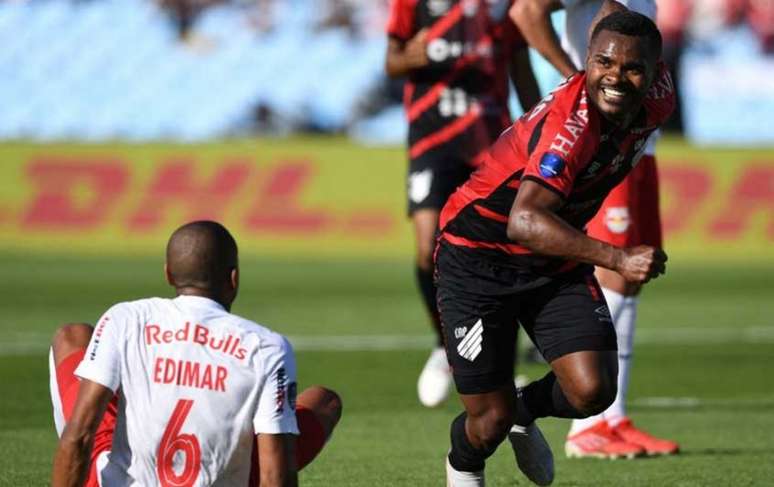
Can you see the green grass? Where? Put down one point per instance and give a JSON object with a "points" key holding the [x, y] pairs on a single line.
{"points": [[706, 335]]}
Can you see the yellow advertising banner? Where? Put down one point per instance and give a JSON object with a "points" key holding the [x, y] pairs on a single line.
{"points": [[319, 197]]}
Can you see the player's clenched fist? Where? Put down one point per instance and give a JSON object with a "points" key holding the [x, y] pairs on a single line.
{"points": [[641, 264]]}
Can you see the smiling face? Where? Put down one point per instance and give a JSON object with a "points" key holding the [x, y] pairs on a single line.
{"points": [[619, 72]]}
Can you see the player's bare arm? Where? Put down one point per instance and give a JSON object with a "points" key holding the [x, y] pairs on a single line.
{"points": [[71, 461], [608, 7], [533, 223], [534, 20], [404, 57], [523, 79], [276, 460]]}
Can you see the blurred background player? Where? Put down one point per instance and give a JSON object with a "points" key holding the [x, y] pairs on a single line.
{"points": [[457, 56], [629, 216], [179, 391]]}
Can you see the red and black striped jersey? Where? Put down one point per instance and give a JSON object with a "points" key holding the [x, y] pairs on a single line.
{"points": [[563, 144], [459, 102]]}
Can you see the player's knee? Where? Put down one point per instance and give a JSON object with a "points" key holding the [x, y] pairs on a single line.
{"points": [[326, 405], [593, 396], [72, 335], [490, 428]]}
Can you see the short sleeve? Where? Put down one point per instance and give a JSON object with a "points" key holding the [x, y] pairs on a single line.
{"points": [[102, 361], [660, 100], [276, 412], [400, 23], [567, 141]]}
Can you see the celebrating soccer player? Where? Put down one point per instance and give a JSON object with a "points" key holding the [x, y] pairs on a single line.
{"points": [[178, 392], [629, 216], [456, 55], [513, 251]]}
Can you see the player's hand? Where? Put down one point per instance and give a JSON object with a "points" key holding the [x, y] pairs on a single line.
{"points": [[415, 51], [641, 264]]}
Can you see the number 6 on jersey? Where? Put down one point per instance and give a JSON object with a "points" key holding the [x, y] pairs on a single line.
{"points": [[172, 442]]}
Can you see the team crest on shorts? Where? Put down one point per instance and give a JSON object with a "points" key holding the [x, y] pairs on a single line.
{"points": [[419, 185], [617, 219], [471, 344]]}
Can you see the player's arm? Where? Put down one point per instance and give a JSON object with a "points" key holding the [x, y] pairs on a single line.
{"points": [[277, 460], [534, 224], [533, 18], [404, 57], [523, 78], [72, 458]]}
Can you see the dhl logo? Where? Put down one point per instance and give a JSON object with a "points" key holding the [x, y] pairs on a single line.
{"points": [[86, 197]]}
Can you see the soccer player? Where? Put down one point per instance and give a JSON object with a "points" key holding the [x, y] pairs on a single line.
{"points": [[628, 217], [513, 251], [457, 56], [180, 392]]}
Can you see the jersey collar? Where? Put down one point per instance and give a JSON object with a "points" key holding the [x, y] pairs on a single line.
{"points": [[199, 302]]}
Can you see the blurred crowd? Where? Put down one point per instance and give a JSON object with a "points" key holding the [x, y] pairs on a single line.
{"points": [[700, 20]]}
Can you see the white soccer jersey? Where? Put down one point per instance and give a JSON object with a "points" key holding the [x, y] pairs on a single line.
{"points": [[195, 384], [575, 38]]}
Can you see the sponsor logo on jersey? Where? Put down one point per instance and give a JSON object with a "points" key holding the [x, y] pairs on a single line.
{"points": [[97, 337], [292, 393], [281, 380], [472, 344], [617, 219], [438, 7], [551, 165], [196, 333], [572, 129]]}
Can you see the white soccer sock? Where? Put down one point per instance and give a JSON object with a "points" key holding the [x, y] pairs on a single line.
{"points": [[624, 328], [615, 304]]}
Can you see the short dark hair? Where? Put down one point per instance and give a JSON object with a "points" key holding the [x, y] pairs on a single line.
{"points": [[631, 24]]}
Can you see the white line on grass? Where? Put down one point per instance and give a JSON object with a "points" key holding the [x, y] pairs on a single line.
{"points": [[21, 343]]}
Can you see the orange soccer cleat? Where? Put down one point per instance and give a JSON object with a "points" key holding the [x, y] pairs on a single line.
{"points": [[652, 445], [600, 441]]}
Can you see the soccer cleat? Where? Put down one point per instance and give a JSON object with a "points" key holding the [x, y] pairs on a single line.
{"points": [[435, 380], [455, 478], [653, 446], [600, 441], [533, 455]]}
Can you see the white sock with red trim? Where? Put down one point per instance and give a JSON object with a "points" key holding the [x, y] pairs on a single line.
{"points": [[615, 303], [624, 328]]}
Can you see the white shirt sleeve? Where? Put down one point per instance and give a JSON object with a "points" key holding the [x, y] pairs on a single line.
{"points": [[276, 411], [102, 362]]}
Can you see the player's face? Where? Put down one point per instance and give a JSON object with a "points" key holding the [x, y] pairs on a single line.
{"points": [[620, 70]]}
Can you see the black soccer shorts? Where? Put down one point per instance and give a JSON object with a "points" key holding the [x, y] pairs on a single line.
{"points": [[433, 177], [482, 305]]}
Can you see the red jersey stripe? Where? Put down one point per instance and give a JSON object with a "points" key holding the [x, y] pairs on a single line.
{"points": [[448, 132], [492, 215], [464, 242], [445, 23]]}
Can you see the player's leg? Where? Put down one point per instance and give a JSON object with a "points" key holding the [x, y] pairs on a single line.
{"points": [[570, 324], [433, 177], [639, 194], [318, 411], [481, 336], [68, 348]]}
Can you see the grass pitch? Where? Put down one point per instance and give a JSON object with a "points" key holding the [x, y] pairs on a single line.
{"points": [[703, 371]]}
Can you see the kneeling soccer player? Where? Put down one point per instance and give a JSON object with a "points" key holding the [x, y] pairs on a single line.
{"points": [[513, 251], [180, 392]]}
